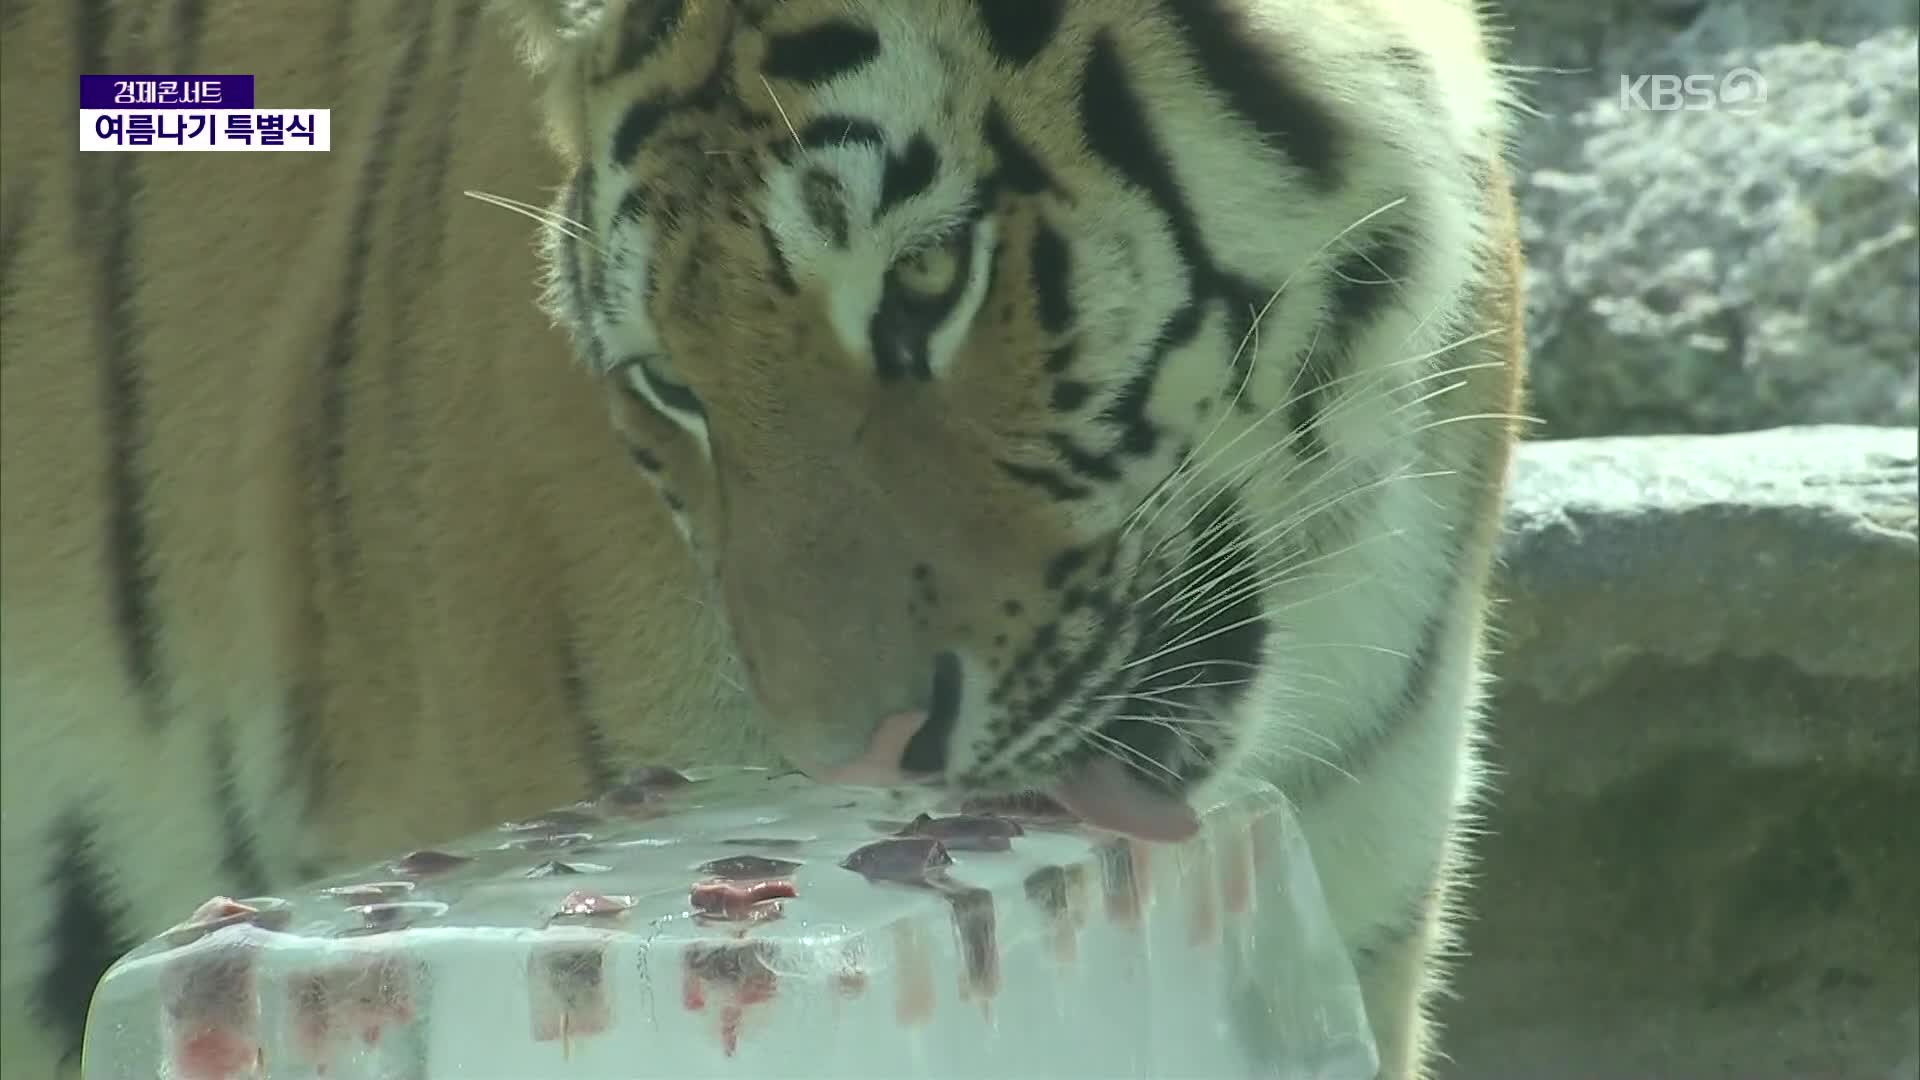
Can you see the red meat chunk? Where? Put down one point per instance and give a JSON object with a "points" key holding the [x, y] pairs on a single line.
{"points": [[740, 901]]}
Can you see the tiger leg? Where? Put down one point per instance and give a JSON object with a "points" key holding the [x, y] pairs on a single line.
{"points": [[1387, 833], [98, 860], [1398, 978], [62, 898]]}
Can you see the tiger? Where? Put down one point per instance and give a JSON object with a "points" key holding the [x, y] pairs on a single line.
{"points": [[1088, 398]]}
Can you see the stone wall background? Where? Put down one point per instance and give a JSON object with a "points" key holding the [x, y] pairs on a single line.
{"points": [[1700, 857], [1746, 265]]}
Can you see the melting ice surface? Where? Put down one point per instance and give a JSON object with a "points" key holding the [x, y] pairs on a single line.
{"points": [[740, 922]]}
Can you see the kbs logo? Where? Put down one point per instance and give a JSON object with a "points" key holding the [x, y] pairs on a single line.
{"points": [[1741, 90]]}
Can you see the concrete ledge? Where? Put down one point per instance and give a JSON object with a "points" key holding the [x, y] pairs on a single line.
{"points": [[1794, 543]]}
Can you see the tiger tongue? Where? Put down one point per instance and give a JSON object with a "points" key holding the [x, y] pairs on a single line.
{"points": [[1108, 795]]}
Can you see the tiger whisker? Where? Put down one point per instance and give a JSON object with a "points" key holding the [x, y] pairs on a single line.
{"points": [[1289, 748], [1185, 735], [1278, 531], [1257, 547], [1199, 664], [1273, 298], [1294, 397], [1217, 723], [782, 110], [1124, 754], [1204, 590], [552, 219], [1400, 438], [1159, 697], [1162, 718], [1213, 632], [1288, 441], [1281, 576]]}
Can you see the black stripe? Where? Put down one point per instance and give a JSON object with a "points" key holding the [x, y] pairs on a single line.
{"points": [[568, 251], [596, 757], [1224, 629], [1063, 566], [189, 27], [1068, 395], [466, 19], [1365, 283], [1119, 132], [304, 712], [1047, 480], [1128, 411], [1052, 279], [826, 206], [1308, 398], [1306, 779], [1018, 29], [642, 119], [1411, 914], [778, 271], [646, 459], [820, 53], [105, 192], [1085, 463], [1018, 167], [414, 267], [647, 26], [1074, 679], [1289, 119], [926, 751], [595, 269], [343, 337], [17, 207], [897, 344], [673, 395], [632, 208], [839, 129], [86, 933], [239, 856], [1077, 691], [907, 174], [1368, 279], [341, 52]]}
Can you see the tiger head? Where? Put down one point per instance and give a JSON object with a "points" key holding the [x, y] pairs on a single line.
{"points": [[971, 347]]}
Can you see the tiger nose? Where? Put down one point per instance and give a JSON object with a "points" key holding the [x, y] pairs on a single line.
{"points": [[908, 747]]}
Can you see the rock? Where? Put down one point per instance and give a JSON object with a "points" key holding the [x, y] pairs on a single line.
{"points": [[1796, 544], [1732, 267], [1700, 857]]}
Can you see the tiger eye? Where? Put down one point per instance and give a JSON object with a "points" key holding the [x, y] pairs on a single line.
{"points": [[930, 271]]}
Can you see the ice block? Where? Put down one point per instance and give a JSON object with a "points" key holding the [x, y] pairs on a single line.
{"points": [[746, 923]]}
